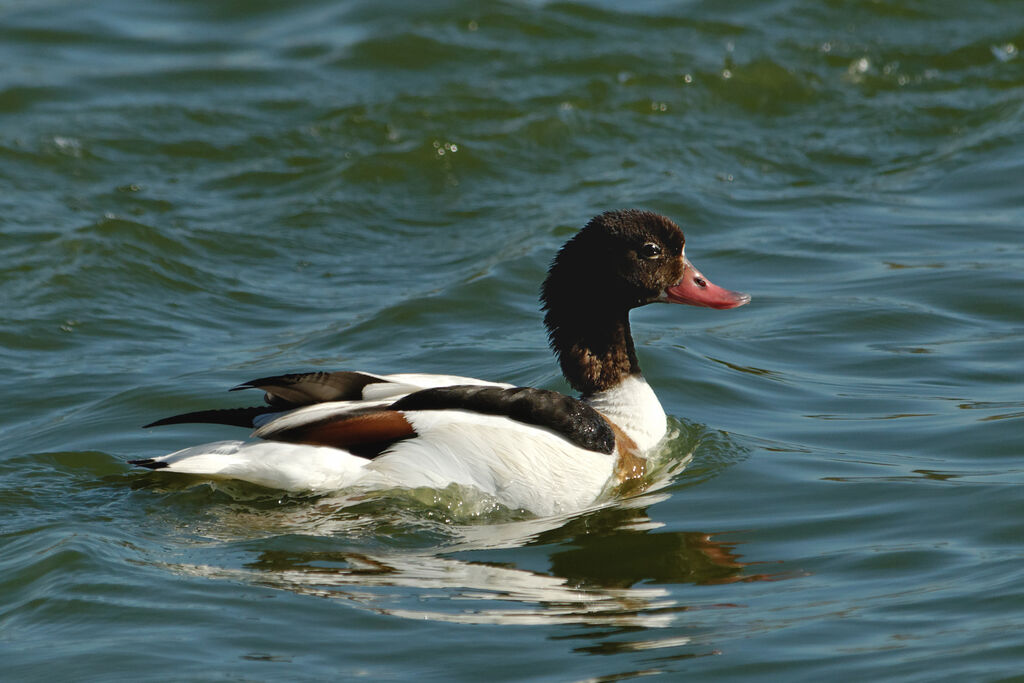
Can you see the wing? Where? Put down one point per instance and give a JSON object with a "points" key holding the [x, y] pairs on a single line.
{"points": [[332, 393], [349, 424]]}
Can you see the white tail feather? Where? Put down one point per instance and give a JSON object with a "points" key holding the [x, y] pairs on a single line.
{"points": [[285, 466]]}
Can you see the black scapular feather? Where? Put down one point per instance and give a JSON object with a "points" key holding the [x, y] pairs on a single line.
{"points": [[569, 417]]}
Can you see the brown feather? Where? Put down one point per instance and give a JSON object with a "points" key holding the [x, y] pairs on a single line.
{"points": [[306, 388], [362, 434], [630, 464]]}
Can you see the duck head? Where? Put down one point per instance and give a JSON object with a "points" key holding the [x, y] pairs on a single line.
{"points": [[630, 258], [620, 260]]}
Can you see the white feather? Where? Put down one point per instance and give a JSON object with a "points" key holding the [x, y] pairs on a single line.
{"points": [[522, 466], [427, 381], [634, 407], [400, 384], [285, 466]]}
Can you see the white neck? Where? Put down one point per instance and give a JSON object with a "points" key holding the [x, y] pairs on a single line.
{"points": [[632, 405]]}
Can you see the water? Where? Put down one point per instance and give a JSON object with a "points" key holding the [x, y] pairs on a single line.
{"points": [[196, 194]]}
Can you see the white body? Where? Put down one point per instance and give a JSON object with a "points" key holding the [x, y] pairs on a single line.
{"points": [[520, 465]]}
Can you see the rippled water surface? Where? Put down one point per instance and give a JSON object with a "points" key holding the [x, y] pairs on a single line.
{"points": [[194, 194]]}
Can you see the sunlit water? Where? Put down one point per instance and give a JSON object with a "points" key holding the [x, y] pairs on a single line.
{"points": [[196, 194]]}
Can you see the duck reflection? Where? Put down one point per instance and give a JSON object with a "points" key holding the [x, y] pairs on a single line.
{"points": [[583, 569]]}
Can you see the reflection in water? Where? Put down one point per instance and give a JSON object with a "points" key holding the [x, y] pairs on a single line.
{"points": [[595, 563]]}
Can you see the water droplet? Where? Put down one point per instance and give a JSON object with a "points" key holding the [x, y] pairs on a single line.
{"points": [[858, 68], [1004, 53], [68, 145]]}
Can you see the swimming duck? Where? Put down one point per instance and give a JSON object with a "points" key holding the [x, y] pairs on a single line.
{"points": [[529, 448]]}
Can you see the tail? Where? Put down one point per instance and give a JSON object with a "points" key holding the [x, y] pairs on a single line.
{"points": [[284, 466]]}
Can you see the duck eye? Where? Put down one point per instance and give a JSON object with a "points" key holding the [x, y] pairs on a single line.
{"points": [[650, 250]]}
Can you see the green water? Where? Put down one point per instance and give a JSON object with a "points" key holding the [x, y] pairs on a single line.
{"points": [[194, 194]]}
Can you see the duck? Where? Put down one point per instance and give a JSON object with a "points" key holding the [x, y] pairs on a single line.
{"points": [[526, 448]]}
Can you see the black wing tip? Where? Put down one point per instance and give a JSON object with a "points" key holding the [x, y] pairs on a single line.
{"points": [[162, 422], [149, 463], [232, 417]]}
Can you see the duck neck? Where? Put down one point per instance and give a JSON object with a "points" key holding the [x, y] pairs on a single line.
{"points": [[594, 346]]}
